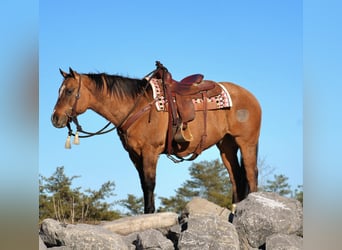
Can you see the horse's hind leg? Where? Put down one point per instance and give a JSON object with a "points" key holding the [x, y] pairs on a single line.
{"points": [[228, 149], [249, 154]]}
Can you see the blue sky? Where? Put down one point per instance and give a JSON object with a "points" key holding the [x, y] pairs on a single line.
{"points": [[256, 44]]}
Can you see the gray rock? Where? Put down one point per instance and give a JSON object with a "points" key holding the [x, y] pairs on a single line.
{"points": [[263, 214], [150, 239], [208, 232], [60, 248], [284, 242], [79, 237], [200, 206], [130, 240], [41, 244], [127, 225], [261, 220]]}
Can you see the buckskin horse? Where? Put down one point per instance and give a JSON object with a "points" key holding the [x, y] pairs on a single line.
{"points": [[181, 128]]}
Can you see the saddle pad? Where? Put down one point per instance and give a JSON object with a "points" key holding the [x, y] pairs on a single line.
{"points": [[223, 100]]}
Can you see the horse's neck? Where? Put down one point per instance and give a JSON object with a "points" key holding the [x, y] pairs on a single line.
{"points": [[106, 108], [116, 109]]}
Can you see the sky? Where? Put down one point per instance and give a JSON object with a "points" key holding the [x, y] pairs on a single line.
{"points": [[289, 64], [256, 44]]}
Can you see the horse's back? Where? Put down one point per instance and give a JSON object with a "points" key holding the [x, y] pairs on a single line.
{"points": [[240, 95]]}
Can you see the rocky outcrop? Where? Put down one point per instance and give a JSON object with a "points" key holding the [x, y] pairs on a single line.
{"points": [[208, 232], [284, 241], [79, 237], [262, 215], [261, 220], [200, 206]]}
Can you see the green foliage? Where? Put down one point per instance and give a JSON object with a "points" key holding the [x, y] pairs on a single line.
{"points": [[57, 199], [209, 180], [278, 185], [298, 194], [134, 204]]}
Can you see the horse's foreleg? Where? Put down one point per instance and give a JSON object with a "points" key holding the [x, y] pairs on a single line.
{"points": [[148, 189], [147, 174], [148, 181]]}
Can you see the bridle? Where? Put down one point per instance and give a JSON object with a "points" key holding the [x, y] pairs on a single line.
{"points": [[73, 118], [124, 124]]}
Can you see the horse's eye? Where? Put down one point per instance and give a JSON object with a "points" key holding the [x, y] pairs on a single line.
{"points": [[69, 91]]}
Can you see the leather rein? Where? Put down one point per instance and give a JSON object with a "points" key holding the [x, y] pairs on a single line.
{"points": [[129, 119], [126, 122]]}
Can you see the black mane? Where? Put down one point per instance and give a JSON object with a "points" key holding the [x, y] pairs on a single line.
{"points": [[118, 85]]}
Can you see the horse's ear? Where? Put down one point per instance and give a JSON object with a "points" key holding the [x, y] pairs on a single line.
{"points": [[73, 73], [64, 74]]}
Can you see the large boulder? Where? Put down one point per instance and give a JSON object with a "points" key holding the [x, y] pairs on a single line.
{"points": [[262, 221], [149, 239], [127, 225], [263, 214], [284, 241], [208, 232], [42, 246], [79, 237], [200, 206]]}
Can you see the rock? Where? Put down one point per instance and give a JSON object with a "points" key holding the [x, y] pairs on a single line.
{"points": [[150, 239], [41, 244], [127, 225], [79, 237], [263, 214], [283, 241], [60, 248], [208, 232], [200, 206], [262, 221], [174, 233]]}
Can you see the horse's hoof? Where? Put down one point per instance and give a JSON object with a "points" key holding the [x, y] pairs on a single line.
{"points": [[233, 208]]}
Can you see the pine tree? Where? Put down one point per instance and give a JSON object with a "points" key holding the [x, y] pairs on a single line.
{"points": [[58, 200], [278, 185], [298, 193], [134, 204], [209, 180]]}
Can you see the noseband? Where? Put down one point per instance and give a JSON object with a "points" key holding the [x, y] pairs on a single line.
{"points": [[73, 117]]}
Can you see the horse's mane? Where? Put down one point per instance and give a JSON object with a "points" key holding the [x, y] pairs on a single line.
{"points": [[118, 85]]}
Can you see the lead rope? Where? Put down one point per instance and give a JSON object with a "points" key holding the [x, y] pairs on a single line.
{"points": [[102, 131]]}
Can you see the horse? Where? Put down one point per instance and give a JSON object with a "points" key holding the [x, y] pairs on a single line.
{"points": [[118, 99]]}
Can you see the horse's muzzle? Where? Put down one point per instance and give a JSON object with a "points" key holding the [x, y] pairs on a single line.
{"points": [[59, 121]]}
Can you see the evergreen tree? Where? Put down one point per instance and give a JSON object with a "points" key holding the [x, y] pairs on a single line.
{"points": [[278, 185], [298, 194], [58, 200], [134, 204], [209, 180]]}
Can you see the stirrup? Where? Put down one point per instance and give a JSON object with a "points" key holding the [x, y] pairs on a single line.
{"points": [[183, 134]]}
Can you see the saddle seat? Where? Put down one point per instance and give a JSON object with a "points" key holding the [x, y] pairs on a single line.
{"points": [[180, 95], [191, 85]]}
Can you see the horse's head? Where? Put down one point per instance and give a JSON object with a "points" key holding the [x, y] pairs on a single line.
{"points": [[69, 103]]}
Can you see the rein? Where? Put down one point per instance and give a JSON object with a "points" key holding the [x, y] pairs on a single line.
{"points": [[124, 124], [129, 119]]}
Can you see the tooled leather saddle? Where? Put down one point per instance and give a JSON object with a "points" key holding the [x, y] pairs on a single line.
{"points": [[181, 109]]}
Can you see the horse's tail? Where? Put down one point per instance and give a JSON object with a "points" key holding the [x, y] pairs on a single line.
{"points": [[256, 167]]}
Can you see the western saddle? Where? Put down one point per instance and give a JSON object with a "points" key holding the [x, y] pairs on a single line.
{"points": [[181, 109]]}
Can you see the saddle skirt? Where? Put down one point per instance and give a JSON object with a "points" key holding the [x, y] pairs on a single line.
{"points": [[220, 101]]}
